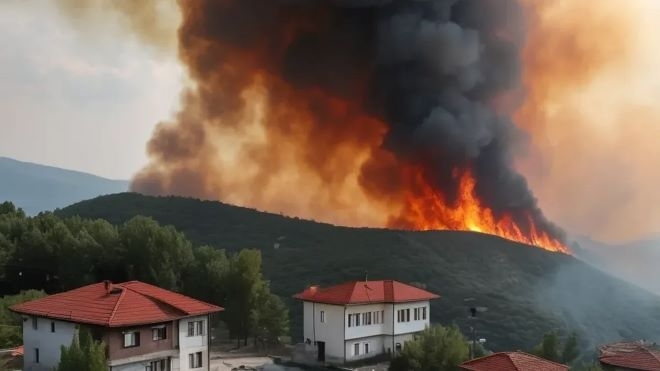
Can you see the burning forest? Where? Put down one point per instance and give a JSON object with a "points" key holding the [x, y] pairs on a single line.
{"points": [[388, 113]]}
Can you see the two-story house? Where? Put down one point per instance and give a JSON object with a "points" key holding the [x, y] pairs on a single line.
{"points": [[145, 328], [362, 319]]}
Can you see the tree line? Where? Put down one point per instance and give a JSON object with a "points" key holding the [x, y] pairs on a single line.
{"points": [[440, 348], [56, 254]]}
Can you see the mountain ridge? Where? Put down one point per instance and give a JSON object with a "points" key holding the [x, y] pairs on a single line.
{"points": [[528, 290], [35, 188]]}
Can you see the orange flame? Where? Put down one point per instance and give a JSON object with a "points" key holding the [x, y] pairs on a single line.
{"points": [[428, 209]]}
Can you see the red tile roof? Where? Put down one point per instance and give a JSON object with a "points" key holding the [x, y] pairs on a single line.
{"points": [[512, 361], [365, 292], [633, 356], [124, 304]]}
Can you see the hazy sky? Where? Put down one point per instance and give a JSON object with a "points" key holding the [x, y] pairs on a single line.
{"points": [[85, 103]]}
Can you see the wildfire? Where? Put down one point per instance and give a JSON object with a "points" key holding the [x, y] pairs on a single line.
{"points": [[427, 208]]}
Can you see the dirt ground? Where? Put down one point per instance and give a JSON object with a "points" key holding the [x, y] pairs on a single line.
{"points": [[227, 364]]}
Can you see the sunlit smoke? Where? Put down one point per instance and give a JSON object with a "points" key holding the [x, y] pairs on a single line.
{"points": [[592, 80]]}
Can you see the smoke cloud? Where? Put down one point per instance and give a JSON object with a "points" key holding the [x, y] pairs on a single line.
{"points": [[352, 112], [590, 108]]}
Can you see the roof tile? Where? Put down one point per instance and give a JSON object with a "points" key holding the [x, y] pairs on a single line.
{"points": [[125, 304], [365, 292], [512, 361]]}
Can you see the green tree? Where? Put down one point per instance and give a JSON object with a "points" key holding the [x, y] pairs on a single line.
{"points": [[571, 351], [270, 317], [588, 367], [437, 348], [84, 354], [244, 280], [551, 348], [11, 324]]}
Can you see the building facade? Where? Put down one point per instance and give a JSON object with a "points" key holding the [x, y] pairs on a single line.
{"points": [[145, 328], [361, 320]]}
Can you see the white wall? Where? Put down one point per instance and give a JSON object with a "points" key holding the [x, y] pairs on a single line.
{"points": [[363, 330], [49, 343], [376, 347], [193, 344], [412, 326], [331, 332]]}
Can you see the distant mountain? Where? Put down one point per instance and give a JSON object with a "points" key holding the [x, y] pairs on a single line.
{"points": [[528, 291], [636, 262], [36, 188]]}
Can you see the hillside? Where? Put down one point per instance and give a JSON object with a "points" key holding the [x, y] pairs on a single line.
{"points": [[37, 188], [634, 262], [527, 290]]}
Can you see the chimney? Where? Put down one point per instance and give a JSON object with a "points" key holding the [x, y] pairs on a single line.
{"points": [[108, 286]]}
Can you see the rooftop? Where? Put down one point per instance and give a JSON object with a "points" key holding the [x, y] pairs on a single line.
{"points": [[116, 305], [366, 292], [512, 361], [634, 355]]}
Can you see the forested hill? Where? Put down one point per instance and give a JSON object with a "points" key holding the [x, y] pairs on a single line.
{"points": [[528, 291], [36, 188]]}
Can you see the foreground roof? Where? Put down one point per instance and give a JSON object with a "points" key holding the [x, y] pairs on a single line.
{"points": [[116, 305], [634, 356], [512, 361], [366, 292]]}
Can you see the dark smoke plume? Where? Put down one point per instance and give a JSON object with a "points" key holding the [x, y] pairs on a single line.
{"points": [[408, 84]]}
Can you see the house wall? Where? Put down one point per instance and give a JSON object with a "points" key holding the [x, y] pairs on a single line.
{"points": [[49, 343], [412, 326], [193, 344], [331, 331], [376, 347], [114, 338], [363, 330]]}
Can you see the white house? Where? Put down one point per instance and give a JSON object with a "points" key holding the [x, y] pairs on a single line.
{"points": [[145, 328], [362, 319]]}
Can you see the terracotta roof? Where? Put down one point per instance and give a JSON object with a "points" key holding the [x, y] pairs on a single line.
{"points": [[124, 304], [512, 361], [17, 352], [634, 356], [365, 292]]}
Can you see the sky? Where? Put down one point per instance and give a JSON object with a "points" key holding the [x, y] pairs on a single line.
{"points": [[82, 92], [77, 101]]}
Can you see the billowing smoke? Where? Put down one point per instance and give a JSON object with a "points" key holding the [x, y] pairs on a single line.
{"points": [[354, 112]]}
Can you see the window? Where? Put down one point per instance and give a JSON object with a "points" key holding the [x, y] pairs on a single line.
{"points": [[195, 328], [357, 319], [403, 315], [35, 323], [356, 349], [350, 320], [52, 326], [131, 339], [366, 348], [424, 313], [195, 360], [398, 347], [368, 318], [322, 316], [159, 333], [36, 355], [376, 318], [156, 366]]}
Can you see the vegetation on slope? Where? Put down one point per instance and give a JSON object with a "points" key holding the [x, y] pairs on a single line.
{"points": [[56, 254], [528, 291]]}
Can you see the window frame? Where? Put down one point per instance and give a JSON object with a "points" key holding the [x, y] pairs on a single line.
{"points": [[322, 316], [356, 349], [195, 360], [35, 323], [366, 348], [157, 331], [36, 355], [135, 337], [52, 326]]}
